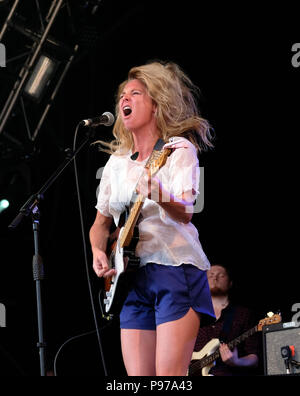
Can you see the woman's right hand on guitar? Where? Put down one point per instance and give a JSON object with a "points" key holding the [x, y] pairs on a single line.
{"points": [[101, 264]]}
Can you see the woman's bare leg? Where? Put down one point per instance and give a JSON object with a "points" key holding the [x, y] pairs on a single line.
{"points": [[138, 349], [175, 344]]}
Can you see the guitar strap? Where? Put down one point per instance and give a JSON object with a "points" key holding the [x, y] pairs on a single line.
{"points": [[227, 325], [157, 147]]}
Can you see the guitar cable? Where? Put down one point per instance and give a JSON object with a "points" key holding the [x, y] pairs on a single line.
{"points": [[69, 340], [97, 330], [86, 258]]}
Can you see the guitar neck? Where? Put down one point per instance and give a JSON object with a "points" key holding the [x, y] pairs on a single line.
{"points": [[131, 221], [156, 160], [232, 344]]}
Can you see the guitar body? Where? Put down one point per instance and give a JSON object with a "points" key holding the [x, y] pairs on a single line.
{"points": [[207, 350], [124, 261]]}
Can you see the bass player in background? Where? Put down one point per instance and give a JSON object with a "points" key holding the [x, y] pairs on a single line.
{"points": [[161, 315], [232, 321]]}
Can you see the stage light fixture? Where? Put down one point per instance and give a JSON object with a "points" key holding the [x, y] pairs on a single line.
{"points": [[41, 77], [4, 204]]}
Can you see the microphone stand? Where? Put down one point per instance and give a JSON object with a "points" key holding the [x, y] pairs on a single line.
{"points": [[31, 207]]}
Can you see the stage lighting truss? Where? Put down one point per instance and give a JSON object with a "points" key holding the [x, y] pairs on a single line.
{"points": [[45, 62]]}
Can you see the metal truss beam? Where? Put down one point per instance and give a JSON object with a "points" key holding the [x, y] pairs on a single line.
{"points": [[29, 63]]}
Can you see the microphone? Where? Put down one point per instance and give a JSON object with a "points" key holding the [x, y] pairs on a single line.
{"points": [[287, 352], [106, 119]]}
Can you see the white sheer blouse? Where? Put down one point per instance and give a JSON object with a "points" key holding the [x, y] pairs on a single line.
{"points": [[162, 240]]}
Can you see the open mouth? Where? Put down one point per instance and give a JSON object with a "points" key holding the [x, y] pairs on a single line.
{"points": [[127, 110]]}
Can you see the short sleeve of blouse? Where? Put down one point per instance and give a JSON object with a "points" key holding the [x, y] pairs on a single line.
{"points": [[104, 190], [184, 170]]}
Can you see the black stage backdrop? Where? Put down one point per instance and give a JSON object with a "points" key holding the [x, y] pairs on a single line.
{"points": [[241, 59]]}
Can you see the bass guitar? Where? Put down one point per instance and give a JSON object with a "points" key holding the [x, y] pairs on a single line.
{"points": [[205, 359]]}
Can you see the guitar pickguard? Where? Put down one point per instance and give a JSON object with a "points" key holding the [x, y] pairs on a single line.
{"points": [[125, 263], [208, 350]]}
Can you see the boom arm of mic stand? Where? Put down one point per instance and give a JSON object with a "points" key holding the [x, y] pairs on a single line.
{"points": [[28, 207]]}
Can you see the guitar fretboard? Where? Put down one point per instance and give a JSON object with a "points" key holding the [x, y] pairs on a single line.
{"points": [[131, 221]]}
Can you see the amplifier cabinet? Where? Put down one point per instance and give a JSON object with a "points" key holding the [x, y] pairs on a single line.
{"points": [[275, 337]]}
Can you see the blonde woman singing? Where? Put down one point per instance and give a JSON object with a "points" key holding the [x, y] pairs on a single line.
{"points": [[170, 297]]}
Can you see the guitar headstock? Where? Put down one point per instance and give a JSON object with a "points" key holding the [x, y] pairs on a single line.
{"points": [[269, 320]]}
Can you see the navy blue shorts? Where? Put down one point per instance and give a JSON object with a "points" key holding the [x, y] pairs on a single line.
{"points": [[163, 293]]}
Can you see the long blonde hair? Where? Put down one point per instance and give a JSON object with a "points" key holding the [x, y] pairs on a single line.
{"points": [[177, 113]]}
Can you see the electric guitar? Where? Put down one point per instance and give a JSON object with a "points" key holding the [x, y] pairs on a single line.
{"points": [[205, 359], [121, 252]]}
